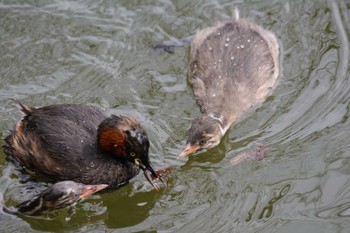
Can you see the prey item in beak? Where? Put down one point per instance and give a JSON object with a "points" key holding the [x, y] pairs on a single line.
{"points": [[148, 171], [189, 149], [145, 165], [91, 189]]}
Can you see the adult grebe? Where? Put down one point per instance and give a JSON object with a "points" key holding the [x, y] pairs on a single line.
{"points": [[79, 143]]}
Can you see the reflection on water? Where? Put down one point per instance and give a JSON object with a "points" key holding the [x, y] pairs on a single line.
{"points": [[98, 53]]}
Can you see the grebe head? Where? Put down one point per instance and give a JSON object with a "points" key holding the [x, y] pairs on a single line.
{"points": [[59, 195], [205, 133], [67, 193], [124, 138]]}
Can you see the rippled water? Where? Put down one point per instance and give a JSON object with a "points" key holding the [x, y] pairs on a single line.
{"points": [[98, 53]]}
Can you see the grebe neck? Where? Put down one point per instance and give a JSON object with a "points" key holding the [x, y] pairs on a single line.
{"points": [[221, 121]]}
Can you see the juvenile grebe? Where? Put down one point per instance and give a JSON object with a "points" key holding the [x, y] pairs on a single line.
{"points": [[59, 195], [79, 143], [233, 66]]}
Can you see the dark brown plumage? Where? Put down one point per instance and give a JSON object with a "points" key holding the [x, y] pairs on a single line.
{"points": [[79, 143], [233, 66]]}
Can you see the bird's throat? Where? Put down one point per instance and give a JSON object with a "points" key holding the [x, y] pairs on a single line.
{"points": [[221, 121]]}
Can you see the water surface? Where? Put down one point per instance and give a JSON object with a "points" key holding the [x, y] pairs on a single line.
{"points": [[98, 53]]}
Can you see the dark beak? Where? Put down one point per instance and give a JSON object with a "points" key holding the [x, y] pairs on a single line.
{"points": [[146, 166], [147, 169], [91, 189]]}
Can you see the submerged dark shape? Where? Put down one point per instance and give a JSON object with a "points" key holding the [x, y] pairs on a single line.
{"points": [[257, 153], [233, 67], [79, 143], [60, 195], [169, 45]]}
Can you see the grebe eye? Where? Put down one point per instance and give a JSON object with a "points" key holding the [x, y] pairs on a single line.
{"points": [[201, 142], [74, 193], [132, 154]]}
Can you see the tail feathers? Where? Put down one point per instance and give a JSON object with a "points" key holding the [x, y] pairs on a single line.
{"points": [[24, 108], [235, 13]]}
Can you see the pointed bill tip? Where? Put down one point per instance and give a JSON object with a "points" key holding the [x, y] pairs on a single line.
{"points": [[101, 186], [189, 149], [182, 154], [91, 189]]}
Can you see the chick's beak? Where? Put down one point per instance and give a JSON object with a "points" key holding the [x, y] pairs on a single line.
{"points": [[91, 189], [189, 149]]}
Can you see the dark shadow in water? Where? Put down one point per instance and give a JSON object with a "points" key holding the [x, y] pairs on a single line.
{"points": [[119, 210], [123, 207], [128, 210], [214, 155], [218, 153]]}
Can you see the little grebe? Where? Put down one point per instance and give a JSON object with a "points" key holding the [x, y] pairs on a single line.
{"points": [[79, 143], [233, 66], [60, 195]]}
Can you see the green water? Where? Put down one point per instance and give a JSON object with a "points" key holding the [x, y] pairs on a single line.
{"points": [[98, 53]]}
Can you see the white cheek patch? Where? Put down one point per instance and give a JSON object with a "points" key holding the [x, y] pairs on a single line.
{"points": [[222, 130], [215, 143], [220, 120]]}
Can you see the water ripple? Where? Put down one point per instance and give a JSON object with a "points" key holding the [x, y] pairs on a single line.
{"points": [[97, 52]]}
